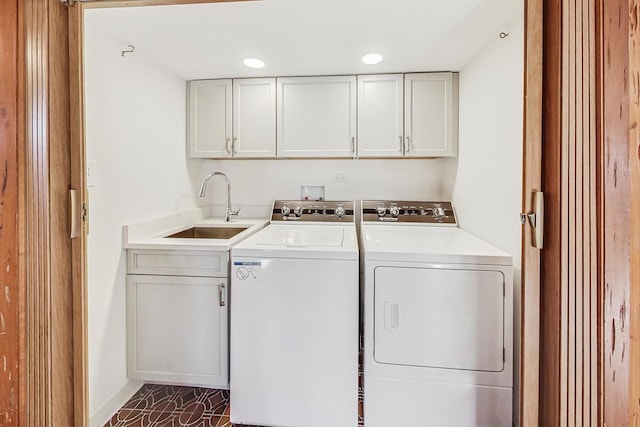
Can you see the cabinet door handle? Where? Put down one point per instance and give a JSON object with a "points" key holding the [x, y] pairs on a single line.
{"points": [[226, 148], [353, 144], [234, 148], [409, 146], [221, 295], [400, 144]]}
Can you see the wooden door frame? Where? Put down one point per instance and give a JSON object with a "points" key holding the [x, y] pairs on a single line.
{"points": [[531, 182]]}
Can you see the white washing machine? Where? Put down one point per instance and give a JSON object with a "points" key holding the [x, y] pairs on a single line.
{"points": [[438, 307], [294, 319]]}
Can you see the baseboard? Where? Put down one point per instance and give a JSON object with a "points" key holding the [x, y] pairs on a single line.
{"points": [[104, 414]]}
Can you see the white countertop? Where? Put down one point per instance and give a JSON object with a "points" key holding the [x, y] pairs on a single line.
{"points": [[152, 234]]}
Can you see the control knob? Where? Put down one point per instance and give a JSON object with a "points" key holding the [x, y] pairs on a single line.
{"points": [[340, 211], [381, 210], [285, 210], [394, 211], [438, 213], [298, 210]]}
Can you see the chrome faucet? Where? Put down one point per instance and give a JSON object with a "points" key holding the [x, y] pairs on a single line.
{"points": [[203, 190]]}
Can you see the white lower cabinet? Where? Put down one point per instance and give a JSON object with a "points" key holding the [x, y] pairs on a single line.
{"points": [[177, 330]]}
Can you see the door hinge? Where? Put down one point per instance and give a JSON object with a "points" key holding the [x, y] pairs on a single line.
{"points": [[68, 2], [535, 217]]}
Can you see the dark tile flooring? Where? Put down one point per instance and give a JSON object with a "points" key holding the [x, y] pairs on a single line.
{"points": [[174, 406]]}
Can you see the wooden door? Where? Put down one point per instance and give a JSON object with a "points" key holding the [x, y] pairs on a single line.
{"points": [[587, 324], [48, 392]]}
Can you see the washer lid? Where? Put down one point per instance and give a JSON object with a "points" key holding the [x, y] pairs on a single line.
{"points": [[429, 244], [302, 237], [301, 241]]}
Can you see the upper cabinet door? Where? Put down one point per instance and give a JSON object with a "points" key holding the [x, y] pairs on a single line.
{"points": [[380, 115], [316, 116], [431, 115], [209, 119], [254, 117]]}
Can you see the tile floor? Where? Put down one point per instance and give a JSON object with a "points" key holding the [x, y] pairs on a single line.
{"points": [[174, 406]]}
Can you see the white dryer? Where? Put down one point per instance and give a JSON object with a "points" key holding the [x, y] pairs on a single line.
{"points": [[294, 319], [438, 327]]}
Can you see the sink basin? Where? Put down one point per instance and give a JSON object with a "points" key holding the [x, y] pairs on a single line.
{"points": [[208, 233]]}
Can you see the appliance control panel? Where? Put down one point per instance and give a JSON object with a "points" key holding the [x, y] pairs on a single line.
{"points": [[313, 211], [397, 211]]}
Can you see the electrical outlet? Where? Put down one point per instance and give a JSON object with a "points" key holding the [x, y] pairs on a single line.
{"points": [[340, 177]]}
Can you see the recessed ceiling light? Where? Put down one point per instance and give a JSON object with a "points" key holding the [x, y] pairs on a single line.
{"points": [[253, 63], [372, 58]]}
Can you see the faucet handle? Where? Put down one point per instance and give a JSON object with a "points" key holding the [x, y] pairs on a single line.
{"points": [[234, 213]]}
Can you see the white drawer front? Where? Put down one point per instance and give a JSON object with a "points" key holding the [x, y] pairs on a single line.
{"points": [[178, 263]]}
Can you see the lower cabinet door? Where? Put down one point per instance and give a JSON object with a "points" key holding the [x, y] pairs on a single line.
{"points": [[177, 330]]}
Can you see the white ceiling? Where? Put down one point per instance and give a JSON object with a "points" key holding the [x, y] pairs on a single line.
{"points": [[308, 37]]}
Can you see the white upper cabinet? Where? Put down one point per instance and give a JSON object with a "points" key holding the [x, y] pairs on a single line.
{"points": [[316, 116], [254, 118], [387, 115], [380, 115], [232, 118], [209, 129], [431, 114]]}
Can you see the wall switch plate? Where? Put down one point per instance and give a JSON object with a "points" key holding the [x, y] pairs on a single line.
{"points": [[340, 177], [91, 174], [312, 192]]}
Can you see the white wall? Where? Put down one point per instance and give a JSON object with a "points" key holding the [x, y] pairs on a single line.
{"points": [[135, 132], [488, 185], [259, 182]]}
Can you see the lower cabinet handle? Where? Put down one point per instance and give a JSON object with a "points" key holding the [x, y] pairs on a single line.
{"points": [[226, 148], [221, 294], [234, 149], [400, 143]]}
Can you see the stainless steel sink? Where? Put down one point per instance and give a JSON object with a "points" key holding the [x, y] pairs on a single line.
{"points": [[208, 233]]}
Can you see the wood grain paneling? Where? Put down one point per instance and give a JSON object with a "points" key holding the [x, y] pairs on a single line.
{"points": [[551, 328], [570, 316], [634, 166], [47, 398], [37, 388], [60, 242], [532, 158], [9, 285], [615, 189]]}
